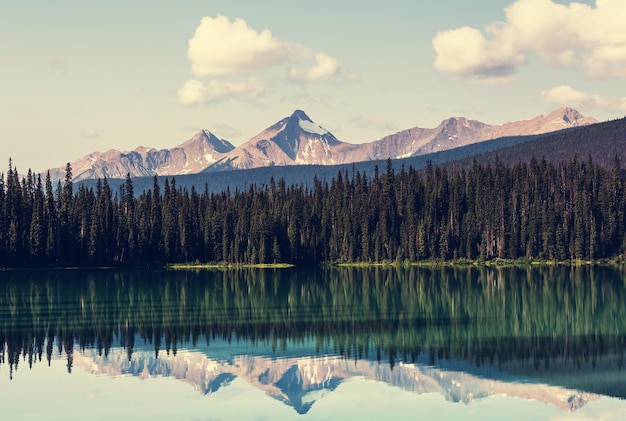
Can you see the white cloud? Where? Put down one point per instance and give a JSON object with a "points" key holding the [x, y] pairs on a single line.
{"points": [[225, 50], [90, 133], [221, 47], [197, 92], [566, 95], [560, 35], [466, 53], [607, 62], [326, 67]]}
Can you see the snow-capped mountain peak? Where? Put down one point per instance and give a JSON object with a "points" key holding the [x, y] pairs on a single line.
{"points": [[294, 140]]}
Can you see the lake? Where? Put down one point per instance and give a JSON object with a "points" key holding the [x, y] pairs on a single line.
{"points": [[541, 343]]}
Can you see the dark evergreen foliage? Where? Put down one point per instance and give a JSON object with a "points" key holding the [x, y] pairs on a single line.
{"points": [[536, 210], [602, 141]]}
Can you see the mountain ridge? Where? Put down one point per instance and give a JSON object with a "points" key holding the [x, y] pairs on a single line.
{"points": [[298, 140], [460, 131], [189, 157], [603, 142]]}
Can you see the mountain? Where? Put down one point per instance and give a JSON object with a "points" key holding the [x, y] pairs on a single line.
{"points": [[294, 140], [298, 140], [601, 141], [459, 131], [190, 157]]}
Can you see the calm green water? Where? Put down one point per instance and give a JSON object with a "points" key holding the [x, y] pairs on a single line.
{"points": [[537, 343]]}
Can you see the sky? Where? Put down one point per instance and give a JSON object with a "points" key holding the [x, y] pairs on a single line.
{"points": [[79, 76]]}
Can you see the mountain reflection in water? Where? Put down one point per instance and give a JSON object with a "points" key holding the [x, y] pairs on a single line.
{"points": [[550, 334], [298, 382]]}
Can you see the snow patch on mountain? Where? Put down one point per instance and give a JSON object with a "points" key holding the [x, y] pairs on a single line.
{"points": [[310, 127]]}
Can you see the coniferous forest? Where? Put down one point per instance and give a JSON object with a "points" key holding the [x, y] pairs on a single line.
{"points": [[534, 210]]}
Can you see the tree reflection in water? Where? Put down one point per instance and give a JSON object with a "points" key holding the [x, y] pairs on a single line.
{"points": [[550, 318]]}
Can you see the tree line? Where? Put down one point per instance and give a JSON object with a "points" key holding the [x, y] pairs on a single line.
{"points": [[534, 210]]}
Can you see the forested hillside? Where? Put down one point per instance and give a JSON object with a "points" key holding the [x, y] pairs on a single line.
{"points": [[540, 210], [602, 142]]}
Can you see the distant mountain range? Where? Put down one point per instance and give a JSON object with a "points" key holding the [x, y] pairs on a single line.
{"points": [[298, 140]]}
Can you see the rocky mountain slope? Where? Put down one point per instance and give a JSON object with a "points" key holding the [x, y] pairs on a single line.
{"points": [[459, 131], [298, 140], [190, 157], [294, 140]]}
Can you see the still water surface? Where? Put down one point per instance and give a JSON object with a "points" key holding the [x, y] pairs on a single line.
{"points": [[319, 344]]}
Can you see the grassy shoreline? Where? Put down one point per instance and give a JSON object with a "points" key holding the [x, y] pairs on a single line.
{"points": [[224, 265], [618, 260]]}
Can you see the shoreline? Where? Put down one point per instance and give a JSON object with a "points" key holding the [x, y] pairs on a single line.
{"points": [[459, 263], [614, 261]]}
